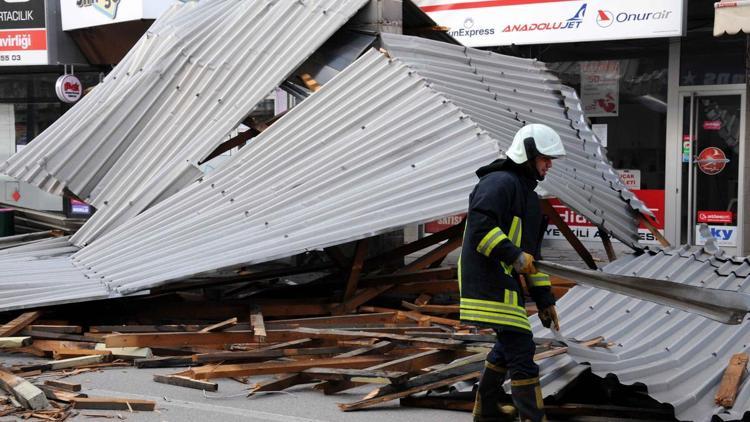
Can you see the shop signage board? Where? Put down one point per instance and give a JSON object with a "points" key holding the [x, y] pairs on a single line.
{"points": [[600, 88], [716, 217], [587, 232], [712, 125], [724, 235], [77, 14], [68, 88], [630, 178], [477, 23], [443, 223], [712, 161], [23, 33]]}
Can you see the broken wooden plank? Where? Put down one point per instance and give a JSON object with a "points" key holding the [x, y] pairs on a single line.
{"points": [[60, 395], [19, 323], [335, 321], [430, 381], [342, 334], [267, 368], [126, 353], [654, 231], [164, 362], [362, 296], [14, 342], [177, 339], [434, 255], [309, 82], [27, 393], [112, 403], [555, 218], [431, 309], [64, 329], [422, 299], [73, 353], [62, 385], [257, 324], [264, 354], [36, 334], [76, 362], [731, 380], [360, 376], [186, 382], [219, 326]]}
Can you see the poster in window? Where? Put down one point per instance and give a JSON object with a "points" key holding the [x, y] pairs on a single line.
{"points": [[600, 88]]}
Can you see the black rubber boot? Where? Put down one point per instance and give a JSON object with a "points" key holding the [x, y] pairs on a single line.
{"points": [[527, 396], [487, 406]]}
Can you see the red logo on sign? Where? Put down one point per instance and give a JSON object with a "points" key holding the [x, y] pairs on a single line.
{"points": [[712, 125], [69, 86], [712, 161], [721, 217]]}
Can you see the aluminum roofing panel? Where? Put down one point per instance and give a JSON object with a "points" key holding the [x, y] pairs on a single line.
{"points": [[503, 93], [680, 357], [190, 80], [41, 273], [374, 149]]}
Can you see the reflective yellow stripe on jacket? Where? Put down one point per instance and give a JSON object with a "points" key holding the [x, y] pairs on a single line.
{"points": [[538, 280], [492, 312]]}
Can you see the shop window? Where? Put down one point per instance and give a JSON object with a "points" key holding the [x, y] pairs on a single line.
{"points": [[627, 106], [706, 60]]}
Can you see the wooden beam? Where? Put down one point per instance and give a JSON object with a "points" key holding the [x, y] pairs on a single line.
{"points": [[220, 326], [257, 324], [359, 376], [425, 242], [362, 297], [25, 392], [431, 309], [360, 253], [62, 385], [309, 82], [342, 335], [607, 242], [731, 380], [555, 218], [19, 323], [112, 403], [654, 231], [267, 368], [178, 339], [14, 342], [433, 256], [264, 354], [186, 382], [59, 395], [333, 321]]}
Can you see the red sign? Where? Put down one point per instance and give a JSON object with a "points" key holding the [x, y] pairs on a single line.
{"points": [[443, 223], [23, 40], [721, 217], [712, 125], [712, 161]]}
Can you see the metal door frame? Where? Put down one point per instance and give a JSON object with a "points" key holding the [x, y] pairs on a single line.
{"points": [[700, 91]]}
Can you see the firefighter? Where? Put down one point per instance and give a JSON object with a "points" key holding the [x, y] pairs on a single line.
{"points": [[503, 234]]}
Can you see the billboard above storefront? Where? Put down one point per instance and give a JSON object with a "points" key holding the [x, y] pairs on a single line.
{"points": [[506, 22], [77, 14], [23, 33]]}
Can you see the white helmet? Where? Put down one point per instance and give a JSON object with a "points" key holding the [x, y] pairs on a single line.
{"points": [[535, 139]]}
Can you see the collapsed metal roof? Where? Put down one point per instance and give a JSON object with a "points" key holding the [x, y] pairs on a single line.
{"points": [[190, 80], [502, 93], [379, 147], [680, 357]]}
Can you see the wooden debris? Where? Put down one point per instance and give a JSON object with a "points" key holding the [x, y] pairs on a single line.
{"points": [[14, 342], [182, 381], [126, 353], [112, 403], [27, 394], [219, 326], [18, 324], [266, 368], [60, 395], [257, 324], [62, 385], [177, 339], [731, 380]]}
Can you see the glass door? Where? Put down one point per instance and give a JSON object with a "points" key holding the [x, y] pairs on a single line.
{"points": [[711, 129]]}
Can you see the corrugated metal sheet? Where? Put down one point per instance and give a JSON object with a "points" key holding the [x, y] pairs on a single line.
{"points": [[501, 94], [680, 357], [41, 273], [202, 67], [377, 148]]}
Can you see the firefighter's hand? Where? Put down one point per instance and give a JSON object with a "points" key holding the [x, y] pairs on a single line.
{"points": [[524, 264], [548, 316]]}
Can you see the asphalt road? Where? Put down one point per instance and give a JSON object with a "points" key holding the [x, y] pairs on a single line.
{"points": [[230, 404]]}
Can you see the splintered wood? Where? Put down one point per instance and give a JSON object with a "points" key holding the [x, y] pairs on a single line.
{"points": [[731, 380]]}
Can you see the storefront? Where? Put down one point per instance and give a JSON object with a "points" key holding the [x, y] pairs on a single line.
{"points": [[664, 95]]}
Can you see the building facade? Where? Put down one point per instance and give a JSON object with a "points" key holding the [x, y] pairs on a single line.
{"points": [[665, 96]]}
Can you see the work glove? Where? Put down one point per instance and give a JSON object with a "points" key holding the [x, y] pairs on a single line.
{"points": [[548, 316], [524, 264]]}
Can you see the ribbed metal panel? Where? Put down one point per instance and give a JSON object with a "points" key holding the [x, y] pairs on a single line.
{"points": [[372, 150], [503, 93], [680, 357], [41, 273], [202, 67]]}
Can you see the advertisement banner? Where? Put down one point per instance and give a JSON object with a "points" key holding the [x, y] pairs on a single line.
{"points": [[587, 232], [78, 14], [600, 88], [724, 235], [505, 22], [23, 33]]}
